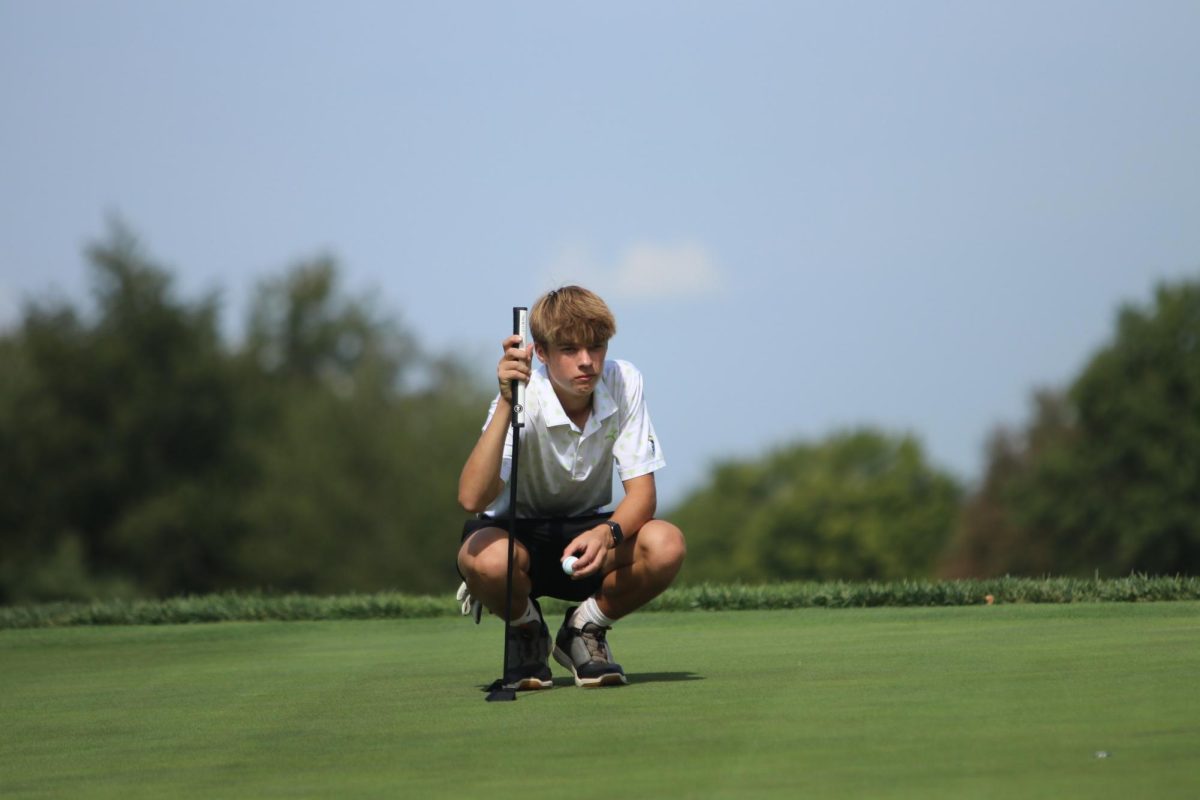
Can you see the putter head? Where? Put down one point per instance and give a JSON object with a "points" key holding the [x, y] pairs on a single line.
{"points": [[497, 692]]}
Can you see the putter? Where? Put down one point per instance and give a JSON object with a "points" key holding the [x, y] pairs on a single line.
{"points": [[521, 328]]}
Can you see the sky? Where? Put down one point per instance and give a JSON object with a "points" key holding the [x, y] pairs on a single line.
{"points": [[807, 216]]}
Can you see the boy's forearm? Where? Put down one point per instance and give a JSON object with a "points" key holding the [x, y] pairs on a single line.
{"points": [[638, 506], [480, 484]]}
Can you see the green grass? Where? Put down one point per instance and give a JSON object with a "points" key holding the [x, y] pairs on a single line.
{"points": [[1000, 701]]}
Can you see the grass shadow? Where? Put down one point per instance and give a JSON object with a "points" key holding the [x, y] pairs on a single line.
{"points": [[634, 679], [663, 677]]}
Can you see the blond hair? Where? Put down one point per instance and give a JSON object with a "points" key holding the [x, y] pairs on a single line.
{"points": [[571, 315]]}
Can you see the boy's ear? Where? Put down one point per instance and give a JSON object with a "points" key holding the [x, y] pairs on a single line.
{"points": [[540, 350]]}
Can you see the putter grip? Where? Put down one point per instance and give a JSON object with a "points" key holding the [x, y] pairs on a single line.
{"points": [[520, 328]]}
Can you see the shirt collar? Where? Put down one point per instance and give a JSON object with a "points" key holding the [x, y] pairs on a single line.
{"points": [[603, 405], [552, 410]]}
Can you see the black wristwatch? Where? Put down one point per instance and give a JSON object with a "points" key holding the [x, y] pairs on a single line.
{"points": [[617, 535]]}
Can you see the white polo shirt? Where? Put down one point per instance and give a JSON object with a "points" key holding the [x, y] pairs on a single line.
{"points": [[567, 472]]}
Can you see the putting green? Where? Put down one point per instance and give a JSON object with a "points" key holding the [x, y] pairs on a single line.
{"points": [[1005, 701]]}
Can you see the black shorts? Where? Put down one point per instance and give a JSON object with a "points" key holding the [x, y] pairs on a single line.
{"points": [[545, 540]]}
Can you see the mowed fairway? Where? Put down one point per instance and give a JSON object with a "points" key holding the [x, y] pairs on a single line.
{"points": [[1006, 701]]}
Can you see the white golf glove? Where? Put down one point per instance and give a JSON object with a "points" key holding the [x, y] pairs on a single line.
{"points": [[470, 606]]}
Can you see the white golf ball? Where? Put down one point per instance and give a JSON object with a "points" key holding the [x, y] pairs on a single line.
{"points": [[569, 565]]}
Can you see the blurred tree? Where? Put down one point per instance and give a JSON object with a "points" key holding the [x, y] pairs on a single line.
{"points": [[118, 439], [302, 328], [140, 456], [359, 450], [1108, 477], [861, 504], [988, 540]]}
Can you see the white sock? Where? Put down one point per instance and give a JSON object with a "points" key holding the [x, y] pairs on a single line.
{"points": [[530, 615], [589, 611]]}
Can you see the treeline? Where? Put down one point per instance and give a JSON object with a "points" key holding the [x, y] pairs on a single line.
{"points": [[142, 455], [1105, 477], [1103, 480]]}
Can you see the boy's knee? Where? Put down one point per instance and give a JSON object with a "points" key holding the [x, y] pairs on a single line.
{"points": [[484, 557], [663, 545]]}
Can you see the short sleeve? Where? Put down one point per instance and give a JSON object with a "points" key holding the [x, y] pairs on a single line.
{"points": [[637, 450], [506, 460]]}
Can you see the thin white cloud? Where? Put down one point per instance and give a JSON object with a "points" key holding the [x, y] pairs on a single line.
{"points": [[654, 271], [645, 271]]}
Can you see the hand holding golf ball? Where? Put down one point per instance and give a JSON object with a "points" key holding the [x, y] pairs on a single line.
{"points": [[568, 564]]}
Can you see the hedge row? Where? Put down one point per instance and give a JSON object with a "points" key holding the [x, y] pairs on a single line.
{"points": [[708, 597]]}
